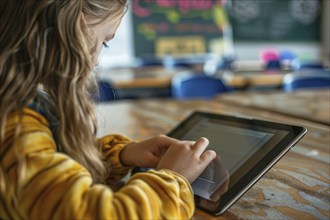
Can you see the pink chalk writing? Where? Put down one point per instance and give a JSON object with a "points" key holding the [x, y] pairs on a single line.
{"points": [[184, 6]]}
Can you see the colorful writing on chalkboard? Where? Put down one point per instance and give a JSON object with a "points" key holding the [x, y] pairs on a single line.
{"points": [[178, 27]]}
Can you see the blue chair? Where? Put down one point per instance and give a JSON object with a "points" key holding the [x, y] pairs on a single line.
{"points": [[172, 63], [189, 86], [297, 65], [306, 80], [106, 92], [273, 65], [214, 65], [149, 62]]}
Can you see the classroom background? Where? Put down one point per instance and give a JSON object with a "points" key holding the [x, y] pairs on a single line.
{"points": [[246, 44]]}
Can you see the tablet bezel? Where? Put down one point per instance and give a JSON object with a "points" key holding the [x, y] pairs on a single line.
{"points": [[268, 159]]}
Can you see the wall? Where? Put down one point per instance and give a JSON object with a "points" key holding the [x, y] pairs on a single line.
{"points": [[250, 51], [120, 51]]}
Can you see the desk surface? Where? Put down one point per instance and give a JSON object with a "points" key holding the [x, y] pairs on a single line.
{"points": [[312, 105], [124, 78], [297, 187]]}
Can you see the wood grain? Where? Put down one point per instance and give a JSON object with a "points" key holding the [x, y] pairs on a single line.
{"points": [[312, 105]]}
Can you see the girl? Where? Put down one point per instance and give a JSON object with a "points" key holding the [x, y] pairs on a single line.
{"points": [[52, 165]]}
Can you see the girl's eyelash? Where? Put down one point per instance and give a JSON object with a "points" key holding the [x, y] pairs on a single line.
{"points": [[105, 45]]}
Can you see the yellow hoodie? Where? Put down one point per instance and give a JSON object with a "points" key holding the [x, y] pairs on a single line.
{"points": [[54, 186]]}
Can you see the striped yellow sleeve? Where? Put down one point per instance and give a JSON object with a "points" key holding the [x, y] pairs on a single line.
{"points": [[167, 195], [47, 184], [111, 148]]}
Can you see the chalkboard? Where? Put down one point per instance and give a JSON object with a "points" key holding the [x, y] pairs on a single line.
{"points": [[178, 27], [276, 20]]}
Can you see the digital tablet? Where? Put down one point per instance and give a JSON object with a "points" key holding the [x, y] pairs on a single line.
{"points": [[246, 149]]}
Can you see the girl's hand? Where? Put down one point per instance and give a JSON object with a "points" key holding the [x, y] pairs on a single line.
{"points": [[187, 158], [146, 154]]}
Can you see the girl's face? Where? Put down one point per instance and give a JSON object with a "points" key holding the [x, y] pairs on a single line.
{"points": [[104, 32]]}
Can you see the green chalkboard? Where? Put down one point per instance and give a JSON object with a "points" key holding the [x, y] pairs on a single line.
{"points": [[174, 27], [275, 20]]}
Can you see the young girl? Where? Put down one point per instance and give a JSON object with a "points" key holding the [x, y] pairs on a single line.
{"points": [[52, 165]]}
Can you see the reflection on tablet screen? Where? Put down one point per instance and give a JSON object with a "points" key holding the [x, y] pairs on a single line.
{"points": [[233, 145], [246, 149], [213, 177]]}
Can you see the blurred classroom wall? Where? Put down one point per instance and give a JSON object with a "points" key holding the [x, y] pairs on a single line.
{"points": [[121, 50]]}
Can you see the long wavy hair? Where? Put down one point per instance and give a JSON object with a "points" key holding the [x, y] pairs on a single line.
{"points": [[46, 43]]}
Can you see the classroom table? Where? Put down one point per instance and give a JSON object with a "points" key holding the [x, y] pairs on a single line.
{"points": [[160, 77], [312, 104], [297, 187]]}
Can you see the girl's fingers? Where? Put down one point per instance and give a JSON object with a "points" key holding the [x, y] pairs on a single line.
{"points": [[208, 156], [200, 145]]}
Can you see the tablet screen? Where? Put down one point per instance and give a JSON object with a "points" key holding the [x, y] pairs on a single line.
{"points": [[228, 147], [240, 144]]}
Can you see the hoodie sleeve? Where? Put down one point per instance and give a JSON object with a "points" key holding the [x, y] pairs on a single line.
{"points": [[111, 147], [41, 183]]}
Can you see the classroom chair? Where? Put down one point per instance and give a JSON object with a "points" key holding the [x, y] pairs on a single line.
{"points": [[106, 92], [297, 65], [149, 62], [306, 80], [189, 86], [215, 65], [173, 64]]}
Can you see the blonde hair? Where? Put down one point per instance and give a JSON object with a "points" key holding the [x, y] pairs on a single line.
{"points": [[45, 43]]}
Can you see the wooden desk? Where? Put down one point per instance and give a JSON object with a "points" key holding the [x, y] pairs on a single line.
{"points": [[245, 80], [297, 187], [312, 105], [159, 77], [124, 78]]}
